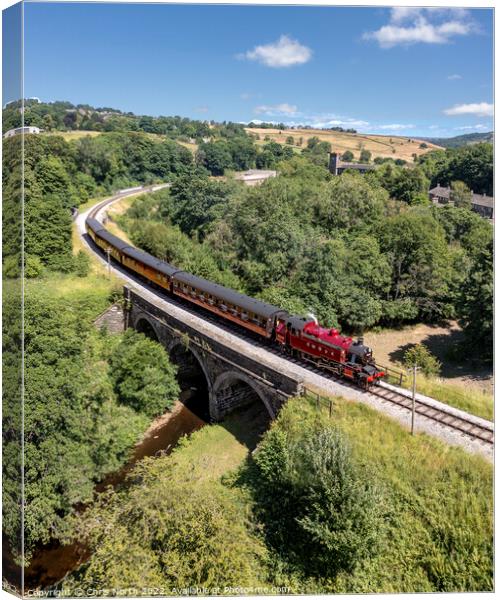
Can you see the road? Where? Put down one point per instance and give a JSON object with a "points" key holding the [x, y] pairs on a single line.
{"points": [[312, 379]]}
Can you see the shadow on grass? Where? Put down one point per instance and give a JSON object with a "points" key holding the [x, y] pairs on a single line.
{"points": [[450, 349]]}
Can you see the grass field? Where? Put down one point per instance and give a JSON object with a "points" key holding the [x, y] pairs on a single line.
{"points": [[378, 145], [74, 135], [437, 500]]}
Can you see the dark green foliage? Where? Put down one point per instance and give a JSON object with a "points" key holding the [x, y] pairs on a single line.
{"points": [[317, 151], [60, 175], [142, 375], [365, 156], [476, 302], [320, 510], [405, 184], [75, 431], [420, 261], [195, 203], [473, 165], [67, 116], [348, 156], [48, 231]]}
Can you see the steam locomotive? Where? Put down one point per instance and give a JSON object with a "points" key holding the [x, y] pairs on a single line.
{"points": [[297, 336]]}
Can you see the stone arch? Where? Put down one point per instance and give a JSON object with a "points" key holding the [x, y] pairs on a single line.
{"points": [[147, 327], [189, 359], [228, 378]]}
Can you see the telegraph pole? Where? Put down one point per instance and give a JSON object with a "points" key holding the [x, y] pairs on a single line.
{"points": [[414, 390]]}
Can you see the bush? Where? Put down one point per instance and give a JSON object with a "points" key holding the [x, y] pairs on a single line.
{"points": [[319, 510], [420, 355], [11, 268], [82, 264], [33, 267], [143, 377]]}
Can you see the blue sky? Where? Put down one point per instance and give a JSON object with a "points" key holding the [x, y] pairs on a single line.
{"points": [[407, 71]]}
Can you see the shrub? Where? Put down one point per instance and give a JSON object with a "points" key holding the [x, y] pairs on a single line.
{"points": [[33, 267], [82, 264], [420, 355], [319, 510]]}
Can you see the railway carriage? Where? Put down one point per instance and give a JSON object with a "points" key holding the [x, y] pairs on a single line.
{"points": [[252, 314]]}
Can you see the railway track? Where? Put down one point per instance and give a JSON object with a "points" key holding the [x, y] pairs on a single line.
{"points": [[468, 426]]}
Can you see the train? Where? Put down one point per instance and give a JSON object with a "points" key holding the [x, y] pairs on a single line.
{"points": [[300, 337]]}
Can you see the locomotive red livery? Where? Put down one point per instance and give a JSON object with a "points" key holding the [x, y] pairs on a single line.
{"points": [[301, 337]]}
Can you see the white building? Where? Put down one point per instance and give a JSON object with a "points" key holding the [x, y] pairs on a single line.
{"points": [[21, 130], [255, 176]]}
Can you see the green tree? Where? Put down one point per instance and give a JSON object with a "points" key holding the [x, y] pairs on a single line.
{"points": [[416, 246], [421, 356], [476, 303], [460, 194], [215, 156], [143, 377], [365, 156], [348, 156], [320, 511]]}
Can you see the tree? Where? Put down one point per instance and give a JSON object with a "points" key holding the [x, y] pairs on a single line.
{"points": [[460, 194], [350, 202], [179, 533], [421, 356], [476, 303], [144, 379], [320, 511], [348, 156], [416, 246], [52, 243], [290, 141], [215, 156], [196, 202], [365, 156]]}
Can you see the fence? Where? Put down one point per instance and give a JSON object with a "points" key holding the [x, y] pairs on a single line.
{"points": [[319, 400]]}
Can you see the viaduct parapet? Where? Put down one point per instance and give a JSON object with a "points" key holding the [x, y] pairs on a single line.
{"points": [[232, 377]]}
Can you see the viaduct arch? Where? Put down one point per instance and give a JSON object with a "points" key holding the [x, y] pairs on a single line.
{"points": [[230, 378]]}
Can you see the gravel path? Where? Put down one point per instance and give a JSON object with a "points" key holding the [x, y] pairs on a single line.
{"points": [[314, 381]]}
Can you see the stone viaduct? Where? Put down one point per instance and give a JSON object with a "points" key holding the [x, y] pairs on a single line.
{"points": [[232, 378]]}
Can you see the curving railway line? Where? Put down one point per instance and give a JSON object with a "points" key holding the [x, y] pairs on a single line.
{"points": [[435, 418]]}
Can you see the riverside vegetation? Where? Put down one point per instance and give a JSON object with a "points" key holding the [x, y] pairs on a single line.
{"points": [[293, 241]]}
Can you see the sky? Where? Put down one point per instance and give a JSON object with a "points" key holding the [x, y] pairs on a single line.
{"points": [[425, 72]]}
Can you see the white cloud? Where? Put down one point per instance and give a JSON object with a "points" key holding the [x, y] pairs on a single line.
{"points": [[434, 127], [285, 52], [201, 109], [480, 109], [478, 127], [319, 123], [276, 109], [396, 127], [422, 25], [454, 77]]}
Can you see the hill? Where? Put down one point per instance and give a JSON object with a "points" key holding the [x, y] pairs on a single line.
{"points": [[462, 140], [379, 145]]}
